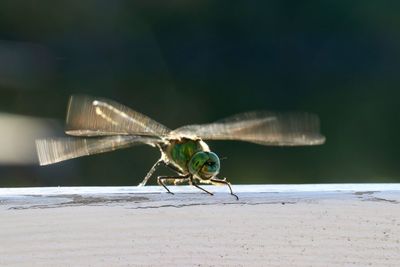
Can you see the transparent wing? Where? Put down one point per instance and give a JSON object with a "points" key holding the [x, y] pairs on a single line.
{"points": [[261, 127], [89, 116], [59, 149]]}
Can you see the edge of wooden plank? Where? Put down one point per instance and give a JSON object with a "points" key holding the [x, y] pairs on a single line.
{"points": [[156, 197], [254, 188]]}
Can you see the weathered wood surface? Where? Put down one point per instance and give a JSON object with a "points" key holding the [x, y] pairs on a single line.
{"points": [[271, 225]]}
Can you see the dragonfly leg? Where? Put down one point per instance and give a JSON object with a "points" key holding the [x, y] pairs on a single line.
{"points": [[173, 167], [177, 179], [180, 181], [218, 181], [150, 173], [192, 182]]}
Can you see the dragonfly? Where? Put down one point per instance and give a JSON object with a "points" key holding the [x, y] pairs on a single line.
{"points": [[96, 125]]}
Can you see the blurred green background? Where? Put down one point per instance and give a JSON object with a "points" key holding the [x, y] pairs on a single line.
{"points": [[184, 62]]}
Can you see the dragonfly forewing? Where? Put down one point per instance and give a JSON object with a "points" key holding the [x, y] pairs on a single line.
{"points": [[260, 127], [89, 116]]}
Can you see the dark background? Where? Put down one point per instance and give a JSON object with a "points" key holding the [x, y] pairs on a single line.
{"points": [[184, 62]]}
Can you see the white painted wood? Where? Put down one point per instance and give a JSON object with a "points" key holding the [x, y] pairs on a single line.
{"points": [[271, 225]]}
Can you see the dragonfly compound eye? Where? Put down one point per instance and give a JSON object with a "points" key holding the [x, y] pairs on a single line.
{"points": [[205, 165]]}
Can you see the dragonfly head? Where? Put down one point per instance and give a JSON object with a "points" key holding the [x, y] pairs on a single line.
{"points": [[205, 165]]}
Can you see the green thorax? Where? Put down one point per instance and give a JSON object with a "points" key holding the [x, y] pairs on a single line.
{"points": [[179, 152]]}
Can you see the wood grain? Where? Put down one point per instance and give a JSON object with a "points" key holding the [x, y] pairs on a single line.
{"points": [[271, 225]]}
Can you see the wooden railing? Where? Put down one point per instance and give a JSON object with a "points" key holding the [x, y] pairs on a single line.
{"points": [[270, 225]]}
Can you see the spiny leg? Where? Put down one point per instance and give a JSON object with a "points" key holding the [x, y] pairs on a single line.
{"points": [[196, 185], [175, 180], [173, 167], [150, 173], [181, 179], [218, 181]]}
